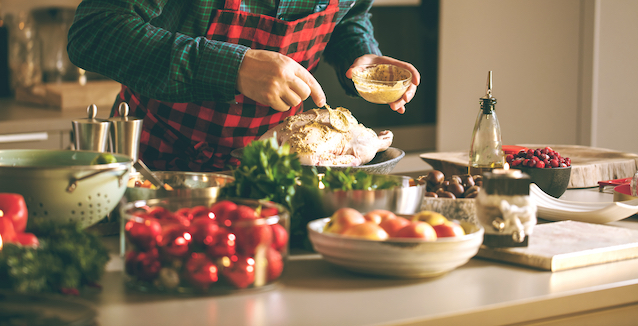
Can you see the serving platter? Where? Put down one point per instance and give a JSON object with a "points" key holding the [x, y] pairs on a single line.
{"points": [[382, 163], [553, 209]]}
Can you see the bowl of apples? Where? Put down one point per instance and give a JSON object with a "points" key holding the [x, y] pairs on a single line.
{"points": [[201, 245], [379, 242]]}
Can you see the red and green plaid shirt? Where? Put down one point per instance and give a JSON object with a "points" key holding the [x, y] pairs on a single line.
{"points": [[175, 62]]}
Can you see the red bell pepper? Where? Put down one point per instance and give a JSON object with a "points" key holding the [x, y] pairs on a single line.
{"points": [[14, 208]]}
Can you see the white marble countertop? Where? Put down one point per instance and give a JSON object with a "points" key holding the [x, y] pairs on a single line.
{"points": [[313, 292]]}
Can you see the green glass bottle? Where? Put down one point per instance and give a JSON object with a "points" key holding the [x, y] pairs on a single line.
{"points": [[486, 150]]}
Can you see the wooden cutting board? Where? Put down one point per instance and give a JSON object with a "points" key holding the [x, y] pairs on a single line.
{"points": [[589, 164], [569, 244]]}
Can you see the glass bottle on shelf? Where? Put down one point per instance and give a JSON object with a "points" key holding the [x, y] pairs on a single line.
{"points": [[486, 150]]}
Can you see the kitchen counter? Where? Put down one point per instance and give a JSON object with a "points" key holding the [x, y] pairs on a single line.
{"points": [[30, 126], [314, 292]]}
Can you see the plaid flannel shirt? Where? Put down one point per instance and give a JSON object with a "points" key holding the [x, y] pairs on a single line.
{"points": [[158, 47]]}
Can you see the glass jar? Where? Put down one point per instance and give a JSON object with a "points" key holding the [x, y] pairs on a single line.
{"points": [[24, 52]]}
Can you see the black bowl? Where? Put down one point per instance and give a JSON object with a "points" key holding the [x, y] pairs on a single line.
{"points": [[553, 181], [382, 163]]}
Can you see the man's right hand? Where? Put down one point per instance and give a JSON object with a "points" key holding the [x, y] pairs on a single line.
{"points": [[276, 80]]}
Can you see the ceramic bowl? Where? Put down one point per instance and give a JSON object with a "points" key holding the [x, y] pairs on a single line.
{"points": [[462, 209], [381, 83], [552, 181], [187, 246], [401, 258]]}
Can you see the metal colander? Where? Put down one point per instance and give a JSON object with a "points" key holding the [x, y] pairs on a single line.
{"points": [[63, 185]]}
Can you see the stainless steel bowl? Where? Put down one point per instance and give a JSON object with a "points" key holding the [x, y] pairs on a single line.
{"points": [[404, 199], [184, 184]]}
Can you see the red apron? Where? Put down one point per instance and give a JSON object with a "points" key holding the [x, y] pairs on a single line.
{"points": [[200, 136]]}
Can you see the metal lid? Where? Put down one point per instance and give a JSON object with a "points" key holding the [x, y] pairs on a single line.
{"points": [[510, 182], [91, 112], [123, 111]]}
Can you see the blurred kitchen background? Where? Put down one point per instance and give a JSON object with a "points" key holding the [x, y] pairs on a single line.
{"points": [[565, 72]]}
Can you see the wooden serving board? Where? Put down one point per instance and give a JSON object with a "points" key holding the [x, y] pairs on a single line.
{"points": [[569, 244], [589, 164], [71, 95]]}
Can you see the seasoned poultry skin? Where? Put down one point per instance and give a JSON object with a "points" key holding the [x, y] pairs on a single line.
{"points": [[330, 137]]}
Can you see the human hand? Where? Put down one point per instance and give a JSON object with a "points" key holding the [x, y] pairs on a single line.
{"points": [[276, 80], [367, 59]]}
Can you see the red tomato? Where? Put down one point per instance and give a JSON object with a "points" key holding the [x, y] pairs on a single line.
{"points": [[7, 230], [27, 239], [14, 207]]}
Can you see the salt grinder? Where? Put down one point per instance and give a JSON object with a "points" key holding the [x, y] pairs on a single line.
{"points": [[91, 134], [126, 132], [505, 209]]}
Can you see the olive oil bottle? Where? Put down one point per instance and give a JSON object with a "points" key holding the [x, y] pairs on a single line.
{"points": [[486, 150]]}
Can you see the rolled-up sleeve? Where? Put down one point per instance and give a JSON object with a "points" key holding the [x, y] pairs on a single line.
{"points": [[118, 39]]}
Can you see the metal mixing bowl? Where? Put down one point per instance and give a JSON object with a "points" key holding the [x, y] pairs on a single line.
{"points": [[184, 184], [403, 199], [63, 185]]}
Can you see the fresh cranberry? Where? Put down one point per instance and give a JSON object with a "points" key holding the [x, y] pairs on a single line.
{"points": [[540, 164]]}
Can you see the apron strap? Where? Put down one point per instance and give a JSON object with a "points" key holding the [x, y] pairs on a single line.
{"points": [[232, 5]]}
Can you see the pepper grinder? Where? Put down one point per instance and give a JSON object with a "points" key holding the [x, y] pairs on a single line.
{"points": [[91, 134], [486, 150], [505, 209], [126, 132]]}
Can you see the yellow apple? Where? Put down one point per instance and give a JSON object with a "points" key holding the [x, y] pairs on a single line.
{"points": [[367, 230], [432, 218], [342, 219], [379, 215]]}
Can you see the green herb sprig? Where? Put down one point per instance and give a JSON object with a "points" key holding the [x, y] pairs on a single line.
{"points": [[67, 259]]}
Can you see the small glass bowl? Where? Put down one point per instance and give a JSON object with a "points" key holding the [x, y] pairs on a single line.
{"points": [[381, 83], [202, 246]]}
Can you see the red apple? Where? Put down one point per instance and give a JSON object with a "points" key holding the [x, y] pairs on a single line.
{"points": [[379, 215], [343, 219], [448, 229], [367, 230], [417, 229], [393, 225]]}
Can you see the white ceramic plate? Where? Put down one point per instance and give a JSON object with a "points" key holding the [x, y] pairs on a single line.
{"points": [[553, 209]]}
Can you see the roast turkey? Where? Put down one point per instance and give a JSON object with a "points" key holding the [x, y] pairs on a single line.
{"points": [[330, 137]]}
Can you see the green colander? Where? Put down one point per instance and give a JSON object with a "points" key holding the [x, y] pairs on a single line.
{"points": [[63, 185]]}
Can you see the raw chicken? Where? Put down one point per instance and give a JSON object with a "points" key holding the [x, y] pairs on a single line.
{"points": [[330, 137]]}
